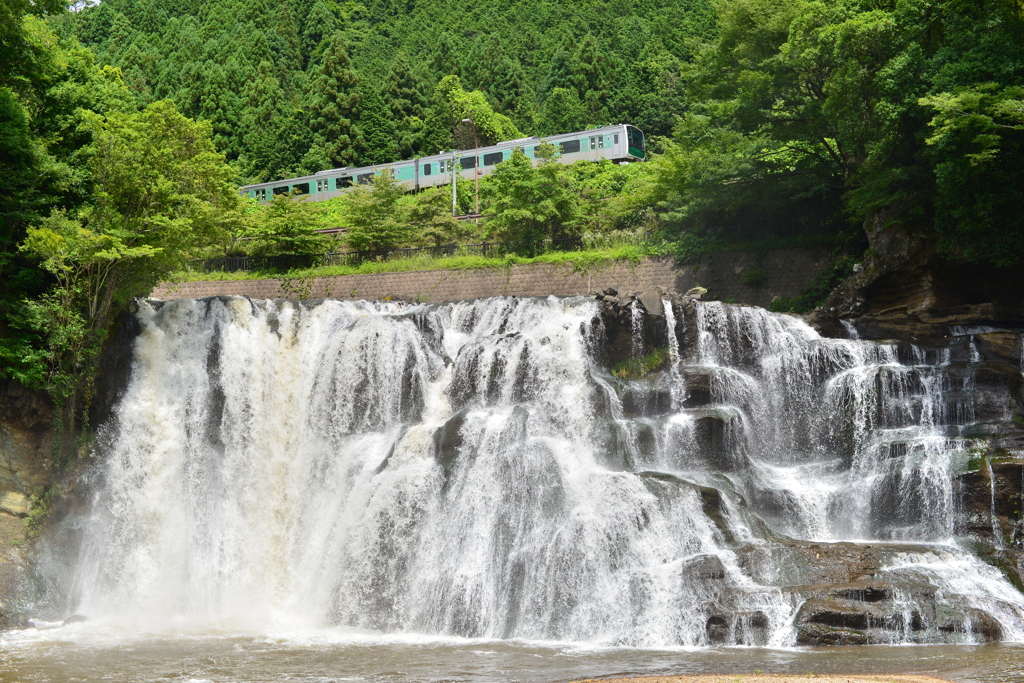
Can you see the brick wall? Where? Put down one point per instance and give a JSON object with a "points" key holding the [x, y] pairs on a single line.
{"points": [[787, 271]]}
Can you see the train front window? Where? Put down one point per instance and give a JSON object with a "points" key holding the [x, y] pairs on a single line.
{"points": [[636, 141]]}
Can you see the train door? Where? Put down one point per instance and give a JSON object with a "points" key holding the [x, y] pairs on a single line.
{"points": [[616, 145]]}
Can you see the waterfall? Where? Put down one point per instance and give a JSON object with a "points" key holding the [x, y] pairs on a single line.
{"points": [[471, 469]]}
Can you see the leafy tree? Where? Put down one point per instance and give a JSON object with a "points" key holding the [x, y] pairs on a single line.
{"points": [[978, 135], [72, 316], [452, 104], [652, 95], [161, 185], [43, 152], [163, 194], [527, 205], [374, 215], [801, 103], [431, 218], [288, 226]]}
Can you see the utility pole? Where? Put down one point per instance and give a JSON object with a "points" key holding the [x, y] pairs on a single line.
{"points": [[455, 204]]}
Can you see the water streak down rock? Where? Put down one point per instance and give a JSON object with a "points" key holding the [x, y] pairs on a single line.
{"points": [[475, 469]]}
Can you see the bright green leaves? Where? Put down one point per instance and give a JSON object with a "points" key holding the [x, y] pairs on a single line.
{"points": [[287, 226], [805, 106], [451, 104], [69, 250], [374, 217], [431, 220], [978, 142], [160, 182], [976, 119], [529, 204]]}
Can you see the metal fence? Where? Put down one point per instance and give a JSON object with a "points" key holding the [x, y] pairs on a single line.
{"points": [[286, 262], [729, 234]]}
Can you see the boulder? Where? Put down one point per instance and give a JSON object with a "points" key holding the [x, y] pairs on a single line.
{"points": [[976, 623], [652, 302], [821, 634]]}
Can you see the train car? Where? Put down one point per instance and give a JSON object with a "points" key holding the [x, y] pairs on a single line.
{"points": [[620, 143]]}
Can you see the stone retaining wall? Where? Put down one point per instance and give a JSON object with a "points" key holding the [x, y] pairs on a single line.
{"points": [[786, 272]]}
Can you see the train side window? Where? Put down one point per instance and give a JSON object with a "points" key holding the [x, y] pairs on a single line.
{"points": [[615, 140], [600, 142], [341, 183], [569, 146], [468, 163], [283, 189], [364, 179], [493, 158], [593, 143], [426, 169], [263, 194], [301, 188]]}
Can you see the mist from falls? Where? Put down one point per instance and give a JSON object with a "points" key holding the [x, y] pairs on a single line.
{"points": [[472, 469]]}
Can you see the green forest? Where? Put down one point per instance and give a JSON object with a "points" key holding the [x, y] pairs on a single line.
{"points": [[127, 126]]}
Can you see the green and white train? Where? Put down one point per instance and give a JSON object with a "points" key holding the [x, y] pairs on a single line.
{"points": [[622, 143]]}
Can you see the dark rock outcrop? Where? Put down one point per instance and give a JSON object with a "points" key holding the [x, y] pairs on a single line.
{"points": [[906, 290]]}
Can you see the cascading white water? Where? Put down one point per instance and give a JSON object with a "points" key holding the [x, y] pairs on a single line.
{"points": [[470, 469]]}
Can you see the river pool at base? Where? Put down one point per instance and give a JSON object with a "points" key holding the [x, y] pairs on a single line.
{"points": [[77, 653]]}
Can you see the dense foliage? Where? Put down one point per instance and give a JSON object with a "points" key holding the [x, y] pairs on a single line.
{"points": [[303, 85], [906, 113], [99, 200]]}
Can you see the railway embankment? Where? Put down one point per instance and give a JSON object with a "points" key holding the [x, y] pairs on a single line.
{"points": [[750, 277]]}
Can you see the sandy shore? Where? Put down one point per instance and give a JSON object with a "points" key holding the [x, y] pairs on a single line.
{"points": [[767, 678]]}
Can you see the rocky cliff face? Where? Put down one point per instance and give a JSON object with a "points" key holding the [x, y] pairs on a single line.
{"points": [[26, 437], [905, 290]]}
